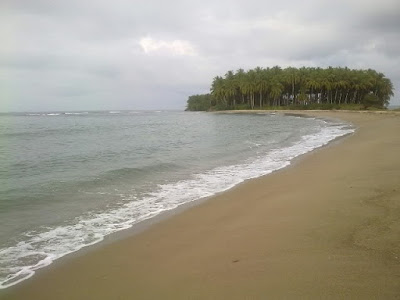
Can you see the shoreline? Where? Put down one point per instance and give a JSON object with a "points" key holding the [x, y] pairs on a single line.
{"points": [[120, 245], [168, 213]]}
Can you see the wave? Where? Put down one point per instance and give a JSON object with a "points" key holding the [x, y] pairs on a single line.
{"points": [[150, 169], [43, 114], [128, 174], [40, 249], [76, 113]]}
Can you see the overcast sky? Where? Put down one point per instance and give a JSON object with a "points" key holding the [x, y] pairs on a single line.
{"points": [[153, 54]]}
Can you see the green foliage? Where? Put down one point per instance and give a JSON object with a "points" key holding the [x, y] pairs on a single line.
{"points": [[200, 102], [372, 100], [302, 88], [243, 106]]}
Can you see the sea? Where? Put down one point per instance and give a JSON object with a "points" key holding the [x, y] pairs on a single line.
{"points": [[69, 179]]}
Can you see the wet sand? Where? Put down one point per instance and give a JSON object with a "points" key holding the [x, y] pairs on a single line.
{"points": [[326, 228]]}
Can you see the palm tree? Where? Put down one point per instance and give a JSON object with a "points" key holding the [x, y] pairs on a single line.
{"points": [[218, 89], [312, 84], [275, 91], [261, 83]]}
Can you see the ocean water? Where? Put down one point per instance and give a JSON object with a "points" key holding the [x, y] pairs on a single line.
{"points": [[68, 179]]}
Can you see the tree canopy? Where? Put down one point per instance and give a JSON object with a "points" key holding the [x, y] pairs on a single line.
{"points": [[200, 102], [295, 87]]}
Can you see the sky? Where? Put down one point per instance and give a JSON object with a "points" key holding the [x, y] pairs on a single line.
{"points": [[153, 54]]}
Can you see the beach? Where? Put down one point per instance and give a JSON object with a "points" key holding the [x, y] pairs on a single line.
{"points": [[326, 227]]}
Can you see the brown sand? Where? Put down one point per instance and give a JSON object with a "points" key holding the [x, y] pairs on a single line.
{"points": [[327, 228]]}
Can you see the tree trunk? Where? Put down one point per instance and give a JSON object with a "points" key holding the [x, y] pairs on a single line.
{"points": [[294, 95]]}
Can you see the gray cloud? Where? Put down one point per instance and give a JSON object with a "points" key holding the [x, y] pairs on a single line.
{"points": [[124, 54]]}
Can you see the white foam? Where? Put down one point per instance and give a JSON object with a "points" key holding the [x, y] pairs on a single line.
{"points": [[19, 262], [77, 113], [53, 114]]}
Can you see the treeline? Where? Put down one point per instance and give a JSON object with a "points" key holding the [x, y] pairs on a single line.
{"points": [[295, 87], [200, 102]]}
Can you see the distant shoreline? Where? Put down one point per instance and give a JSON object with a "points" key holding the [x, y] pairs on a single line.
{"points": [[308, 112]]}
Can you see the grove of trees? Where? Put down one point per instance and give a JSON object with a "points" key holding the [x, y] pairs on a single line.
{"points": [[295, 87]]}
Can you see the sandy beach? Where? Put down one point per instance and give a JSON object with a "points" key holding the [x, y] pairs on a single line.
{"points": [[327, 227]]}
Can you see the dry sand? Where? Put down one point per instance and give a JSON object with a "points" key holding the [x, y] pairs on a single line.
{"points": [[327, 228]]}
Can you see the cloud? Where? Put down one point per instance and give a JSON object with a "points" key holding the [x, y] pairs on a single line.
{"points": [[175, 47]]}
